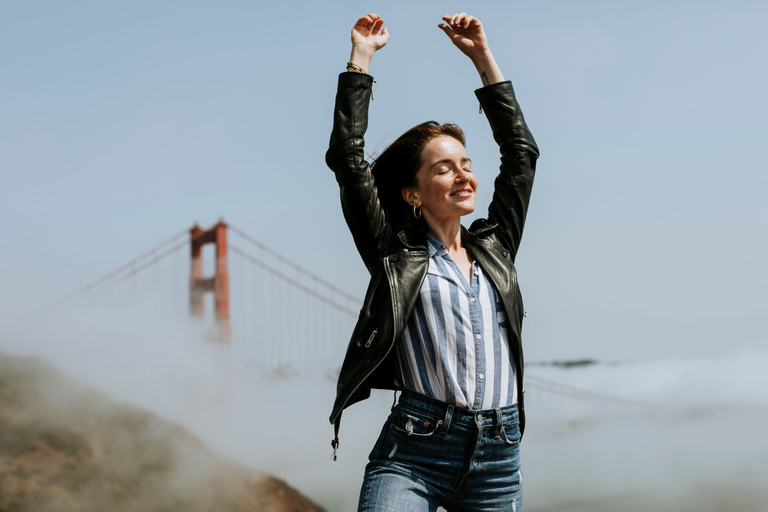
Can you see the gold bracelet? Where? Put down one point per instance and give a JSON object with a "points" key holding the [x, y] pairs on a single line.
{"points": [[355, 67]]}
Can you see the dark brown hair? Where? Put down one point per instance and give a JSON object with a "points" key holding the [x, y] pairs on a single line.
{"points": [[396, 167]]}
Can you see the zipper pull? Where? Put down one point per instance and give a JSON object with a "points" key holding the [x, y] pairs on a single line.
{"points": [[370, 339], [335, 445]]}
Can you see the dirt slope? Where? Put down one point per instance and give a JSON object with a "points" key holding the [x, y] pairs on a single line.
{"points": [[64, 447]]}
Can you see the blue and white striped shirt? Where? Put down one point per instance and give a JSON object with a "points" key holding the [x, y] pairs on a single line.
{"points": [[455, 346]]}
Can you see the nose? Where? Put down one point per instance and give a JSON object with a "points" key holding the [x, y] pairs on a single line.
{"points": [[461, 175]]}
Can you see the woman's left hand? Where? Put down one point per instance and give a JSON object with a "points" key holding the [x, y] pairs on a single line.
{"points": [[467, 33]]}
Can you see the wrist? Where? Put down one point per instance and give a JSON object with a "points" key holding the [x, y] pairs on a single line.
{"points": [[351, 66], [482, 58], [487, 68], [362, 56]]}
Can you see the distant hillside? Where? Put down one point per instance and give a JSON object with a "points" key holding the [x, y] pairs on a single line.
{"points": [[64, 447]]}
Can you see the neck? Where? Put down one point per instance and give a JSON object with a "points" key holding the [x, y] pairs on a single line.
{"points": [[449, 233]]}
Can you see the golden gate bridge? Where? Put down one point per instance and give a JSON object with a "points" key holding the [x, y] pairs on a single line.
{"points": [[253, 292]]}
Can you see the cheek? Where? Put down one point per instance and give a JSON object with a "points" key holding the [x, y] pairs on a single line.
{"points": [[440, 186]]}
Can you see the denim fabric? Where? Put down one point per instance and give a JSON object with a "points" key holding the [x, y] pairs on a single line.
{"points": [[432, 454]]}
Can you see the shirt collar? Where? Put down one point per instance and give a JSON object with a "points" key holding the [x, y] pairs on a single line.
{"points": [[435, 246]]}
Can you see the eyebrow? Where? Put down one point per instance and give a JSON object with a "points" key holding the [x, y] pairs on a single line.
{"points": [[448, 161]]}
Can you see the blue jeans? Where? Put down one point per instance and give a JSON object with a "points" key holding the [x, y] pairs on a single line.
{"points": [[432, 454]]}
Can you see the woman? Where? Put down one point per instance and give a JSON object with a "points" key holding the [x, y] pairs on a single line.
{"points": [[443, 314]]}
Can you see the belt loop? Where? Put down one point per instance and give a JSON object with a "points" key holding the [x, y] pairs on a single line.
{"points": [[447, 420], [499, 423]]}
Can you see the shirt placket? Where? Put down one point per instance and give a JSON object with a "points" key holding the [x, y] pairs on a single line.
{"points": [[475, 317]]}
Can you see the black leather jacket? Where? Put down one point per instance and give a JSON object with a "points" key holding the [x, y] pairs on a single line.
{"points": [[397, 261]]}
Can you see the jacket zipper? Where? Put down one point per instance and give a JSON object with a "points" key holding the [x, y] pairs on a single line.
{"points": [[335, 441], [392, 344], [370, 339], [521, 396]]}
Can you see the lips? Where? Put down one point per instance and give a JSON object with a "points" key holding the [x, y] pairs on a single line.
{"points": [[463, 192]]}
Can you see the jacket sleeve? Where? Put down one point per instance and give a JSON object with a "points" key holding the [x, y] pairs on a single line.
{"points": [[512, 188], [346, 158]]}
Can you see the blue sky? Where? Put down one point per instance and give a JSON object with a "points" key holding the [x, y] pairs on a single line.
{"points": [[125, 122]]}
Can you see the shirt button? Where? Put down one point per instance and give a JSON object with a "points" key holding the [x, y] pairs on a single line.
{"points": [[477, 336], [472, 299], [480, 376]]}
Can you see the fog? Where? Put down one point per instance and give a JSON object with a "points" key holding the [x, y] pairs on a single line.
{"points": [[692, 440]]}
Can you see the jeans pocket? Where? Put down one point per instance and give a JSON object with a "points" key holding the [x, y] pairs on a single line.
{"points": [[413, 423], [513, 437]]}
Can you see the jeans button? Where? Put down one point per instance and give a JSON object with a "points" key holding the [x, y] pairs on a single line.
{"points": [[479, 418]]}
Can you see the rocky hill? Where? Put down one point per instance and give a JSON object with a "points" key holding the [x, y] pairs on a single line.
{"points": [[65, 447]]}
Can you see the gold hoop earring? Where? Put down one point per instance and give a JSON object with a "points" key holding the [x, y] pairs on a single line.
{"points": [[416, 211]]}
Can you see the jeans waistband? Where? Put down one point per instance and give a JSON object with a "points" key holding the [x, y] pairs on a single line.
{"points": [[459, 415]]}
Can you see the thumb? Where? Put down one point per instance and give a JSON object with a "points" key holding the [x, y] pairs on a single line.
{"points": [[445, 28]]}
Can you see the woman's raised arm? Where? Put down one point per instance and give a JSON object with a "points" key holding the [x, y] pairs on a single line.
{"points": [[346, 152], [466, 32], [513, 185]]}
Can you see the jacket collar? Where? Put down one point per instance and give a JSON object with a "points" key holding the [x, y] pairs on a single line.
{"points": [[413, 239], [417, 239], [482, 228]]}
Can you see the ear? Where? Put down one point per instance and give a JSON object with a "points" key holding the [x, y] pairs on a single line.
{"points": [[411, 197]]}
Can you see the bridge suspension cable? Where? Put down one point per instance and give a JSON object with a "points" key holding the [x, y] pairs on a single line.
{"points": [[283, 259], [275, 272], [557, 388], [114, 274], [162, 250]]}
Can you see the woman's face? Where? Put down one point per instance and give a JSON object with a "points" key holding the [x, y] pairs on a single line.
{"points": [[445, 185]]}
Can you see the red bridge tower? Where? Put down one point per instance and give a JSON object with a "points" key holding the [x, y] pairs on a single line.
{"points": [[218, 284]]}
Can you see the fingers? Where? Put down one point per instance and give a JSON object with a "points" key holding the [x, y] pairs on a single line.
{"points": [[370, 24], [367, 21], [456, 21], [445, 28], [376, 28], [460, 21]]}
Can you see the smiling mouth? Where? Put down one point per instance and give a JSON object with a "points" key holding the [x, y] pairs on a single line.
{"points": [[466, 191]]}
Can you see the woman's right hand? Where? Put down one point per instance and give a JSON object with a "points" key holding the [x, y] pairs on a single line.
{"points": [[368, 36]]}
